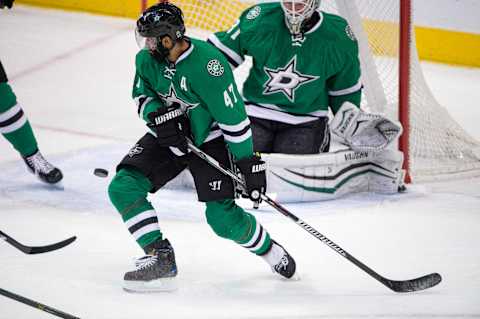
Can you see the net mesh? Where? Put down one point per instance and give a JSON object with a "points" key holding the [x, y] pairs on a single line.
{"points": [[438, 147]]}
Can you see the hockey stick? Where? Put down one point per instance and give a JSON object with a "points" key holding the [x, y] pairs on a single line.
{"points": [[36, 249], [416, 284], [37, 305]]}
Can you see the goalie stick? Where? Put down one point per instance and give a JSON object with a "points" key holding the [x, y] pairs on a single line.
{"points": [[410, 285], [36, 249], [37, 305]]}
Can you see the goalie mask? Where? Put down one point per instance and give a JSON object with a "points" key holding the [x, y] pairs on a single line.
{"points": [[158, 21], [298, 12]]}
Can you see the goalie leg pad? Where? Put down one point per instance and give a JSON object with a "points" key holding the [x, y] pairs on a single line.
{"points": [[392, 180], [331, 175]]}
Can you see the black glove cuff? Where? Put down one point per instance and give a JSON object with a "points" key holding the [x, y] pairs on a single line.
{"points": [[251, 165], [171, 126], [253, 170]]}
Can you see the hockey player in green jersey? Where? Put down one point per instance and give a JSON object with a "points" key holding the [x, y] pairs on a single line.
{"points": [[15, 127], [305, 63], [184, 88]]}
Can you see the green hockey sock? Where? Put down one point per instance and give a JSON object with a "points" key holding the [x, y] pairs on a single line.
{"points": [[230, 221], [128, 193], [14, 124]]}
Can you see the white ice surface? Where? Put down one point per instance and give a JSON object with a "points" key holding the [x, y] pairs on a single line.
{"points": [[72, 74]]}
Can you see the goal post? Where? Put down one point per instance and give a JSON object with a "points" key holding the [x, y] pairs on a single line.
{"points": [[434, 145], [405, 41]]}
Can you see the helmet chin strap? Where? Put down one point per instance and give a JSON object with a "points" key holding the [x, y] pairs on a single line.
{"points": [[160, 53]]}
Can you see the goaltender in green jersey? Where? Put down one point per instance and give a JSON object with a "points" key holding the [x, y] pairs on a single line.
{"points": [[294, 78], [305, 63]]}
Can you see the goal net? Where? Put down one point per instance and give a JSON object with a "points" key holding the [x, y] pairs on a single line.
{"points": [[435, 146]]}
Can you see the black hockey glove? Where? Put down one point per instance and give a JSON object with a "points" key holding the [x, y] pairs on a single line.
{"points": [[171, 126], [8, 3], [253, 170]]}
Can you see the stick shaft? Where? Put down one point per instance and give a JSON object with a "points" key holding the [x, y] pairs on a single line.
{"points": [[36, 304], [397, 286]]}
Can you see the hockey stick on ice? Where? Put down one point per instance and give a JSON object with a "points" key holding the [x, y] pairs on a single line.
{"points": [[37, 305], [416, 284], [35, 249]]}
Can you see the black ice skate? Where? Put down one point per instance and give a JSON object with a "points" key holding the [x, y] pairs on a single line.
{"points": [[155, 271], [281, 261], [45, 171]]}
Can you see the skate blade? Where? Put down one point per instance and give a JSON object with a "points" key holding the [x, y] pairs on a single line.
{"points": [[295, 277], [158, 285]]}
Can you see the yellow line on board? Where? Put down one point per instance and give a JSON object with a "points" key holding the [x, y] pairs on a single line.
{"points": [[433, 44]]}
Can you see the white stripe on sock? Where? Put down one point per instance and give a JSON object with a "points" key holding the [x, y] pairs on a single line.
{"points": [[254, 237], [145, 230], [138, 218]]}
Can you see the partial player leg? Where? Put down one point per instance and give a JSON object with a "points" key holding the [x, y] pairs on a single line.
{"points": [[145, 169], [306, 138], [263, 134], [227, 219], [16, 128], [230, 221]]}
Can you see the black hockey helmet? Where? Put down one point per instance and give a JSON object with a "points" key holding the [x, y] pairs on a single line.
{"points": [[160, 20]]}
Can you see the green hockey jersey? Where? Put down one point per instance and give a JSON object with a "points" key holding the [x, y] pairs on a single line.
{"points": [[293, 75], [202, 84]]}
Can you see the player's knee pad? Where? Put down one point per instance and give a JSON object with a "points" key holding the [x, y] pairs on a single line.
{"points": [[128, 187], [228, 220]]}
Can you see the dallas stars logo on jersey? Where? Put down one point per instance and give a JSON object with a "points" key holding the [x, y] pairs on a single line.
{"points": [[172, 98], [286, 79]]}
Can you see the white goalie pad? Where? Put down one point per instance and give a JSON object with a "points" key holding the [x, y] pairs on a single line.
{"points": [[326, 176], [363, 131], [305, 178]]}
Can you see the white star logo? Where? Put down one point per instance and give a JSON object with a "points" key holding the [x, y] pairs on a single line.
{"points": [[172, 98], [286, 80]]}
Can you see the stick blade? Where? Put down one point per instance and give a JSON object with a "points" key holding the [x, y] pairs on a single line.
{"points": [[416, 284], [44, 249]]}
